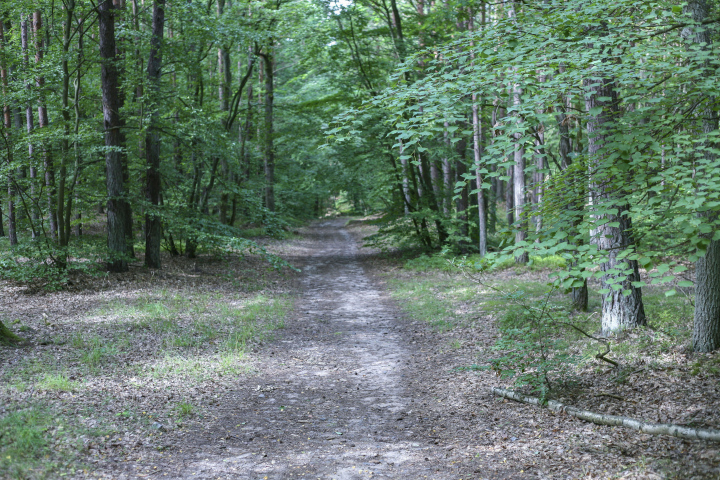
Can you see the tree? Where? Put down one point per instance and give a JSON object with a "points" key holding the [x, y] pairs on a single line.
{"points": [[116, 209], [706, 325], [153, 225], [622, 305]]}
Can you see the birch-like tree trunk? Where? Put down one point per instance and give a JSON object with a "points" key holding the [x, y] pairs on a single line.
{"points": [[622, 305], [519, 182]]}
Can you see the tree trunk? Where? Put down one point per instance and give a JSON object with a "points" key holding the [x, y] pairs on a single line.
{"points": [[519, 184], [34, 215], [43, 122], [116, 211], [63, 233], [153, 223], [224, 92], [619, 311], [706, 327], [477, 154], [7, 122], [462, 198], [269, 157]]}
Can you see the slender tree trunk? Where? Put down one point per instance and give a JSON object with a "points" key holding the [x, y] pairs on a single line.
{"points": [[269, 158], [621, 307], [63, 233], [225, 83], [7, 122], [43, 122], [462, 199], [153, 223], [109, 77], [34, 215], [519, 184], [74, 196], [477, 154]]}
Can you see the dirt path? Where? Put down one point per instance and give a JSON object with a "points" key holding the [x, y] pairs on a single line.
{"points": [[332, 397]]}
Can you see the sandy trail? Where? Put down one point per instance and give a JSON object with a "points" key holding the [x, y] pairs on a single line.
{"points": [[331, 400]]}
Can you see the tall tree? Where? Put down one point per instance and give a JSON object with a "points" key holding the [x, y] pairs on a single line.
{"points": [[706, 325], [622, 305], [269, 151], [153, 223], [109, 77]]}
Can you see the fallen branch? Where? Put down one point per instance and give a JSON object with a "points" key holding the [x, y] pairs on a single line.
{"points": [[616, 420]]}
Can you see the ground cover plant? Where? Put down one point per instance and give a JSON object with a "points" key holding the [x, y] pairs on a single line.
{"points": [[490, 321], [114, 368]]}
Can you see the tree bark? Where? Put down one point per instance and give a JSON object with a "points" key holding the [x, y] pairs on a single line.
{"points": [[43, 122], [519, 183], [706, 326], [109, 78], [616, 420], [619, 310], [269, 157], [153, 223], [7, 122], [34, 215], [477, 154]]}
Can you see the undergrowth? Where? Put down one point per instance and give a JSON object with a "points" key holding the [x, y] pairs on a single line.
{"points": [[541, 343]]}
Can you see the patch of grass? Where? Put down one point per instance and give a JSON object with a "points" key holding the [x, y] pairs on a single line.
{"points": [[23, 443], [425, 263], [184, 409], [58, 382], [443, 263], [432, 299], [96, 352]]}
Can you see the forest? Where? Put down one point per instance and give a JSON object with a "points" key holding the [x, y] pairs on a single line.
{"points": [[536, 183]]}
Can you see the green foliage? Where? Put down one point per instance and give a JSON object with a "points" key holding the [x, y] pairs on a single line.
{"points": [[530, 348], [7, 337], [185, 409], [58, 382], [23, 442]]}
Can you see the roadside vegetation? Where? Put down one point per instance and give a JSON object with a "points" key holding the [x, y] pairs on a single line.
{"points": [[112, 370]]}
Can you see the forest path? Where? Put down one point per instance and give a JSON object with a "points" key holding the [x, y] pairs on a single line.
{"points": [[332, 399]]}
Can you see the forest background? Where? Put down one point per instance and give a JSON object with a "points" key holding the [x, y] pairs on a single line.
{"points": [[579, 136], [579, 133], [551, 128]]}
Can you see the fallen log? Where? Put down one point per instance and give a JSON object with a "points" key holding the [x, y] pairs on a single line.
{"points": [[616, 420]]}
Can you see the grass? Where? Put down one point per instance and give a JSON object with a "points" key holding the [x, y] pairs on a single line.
{"points": [[28, 437], [57, 382], [432, 289], [444, 263], [185, 409], [142, 344]]}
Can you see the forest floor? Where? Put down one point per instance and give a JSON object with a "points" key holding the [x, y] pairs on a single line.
{"points": [[333, 377]]}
